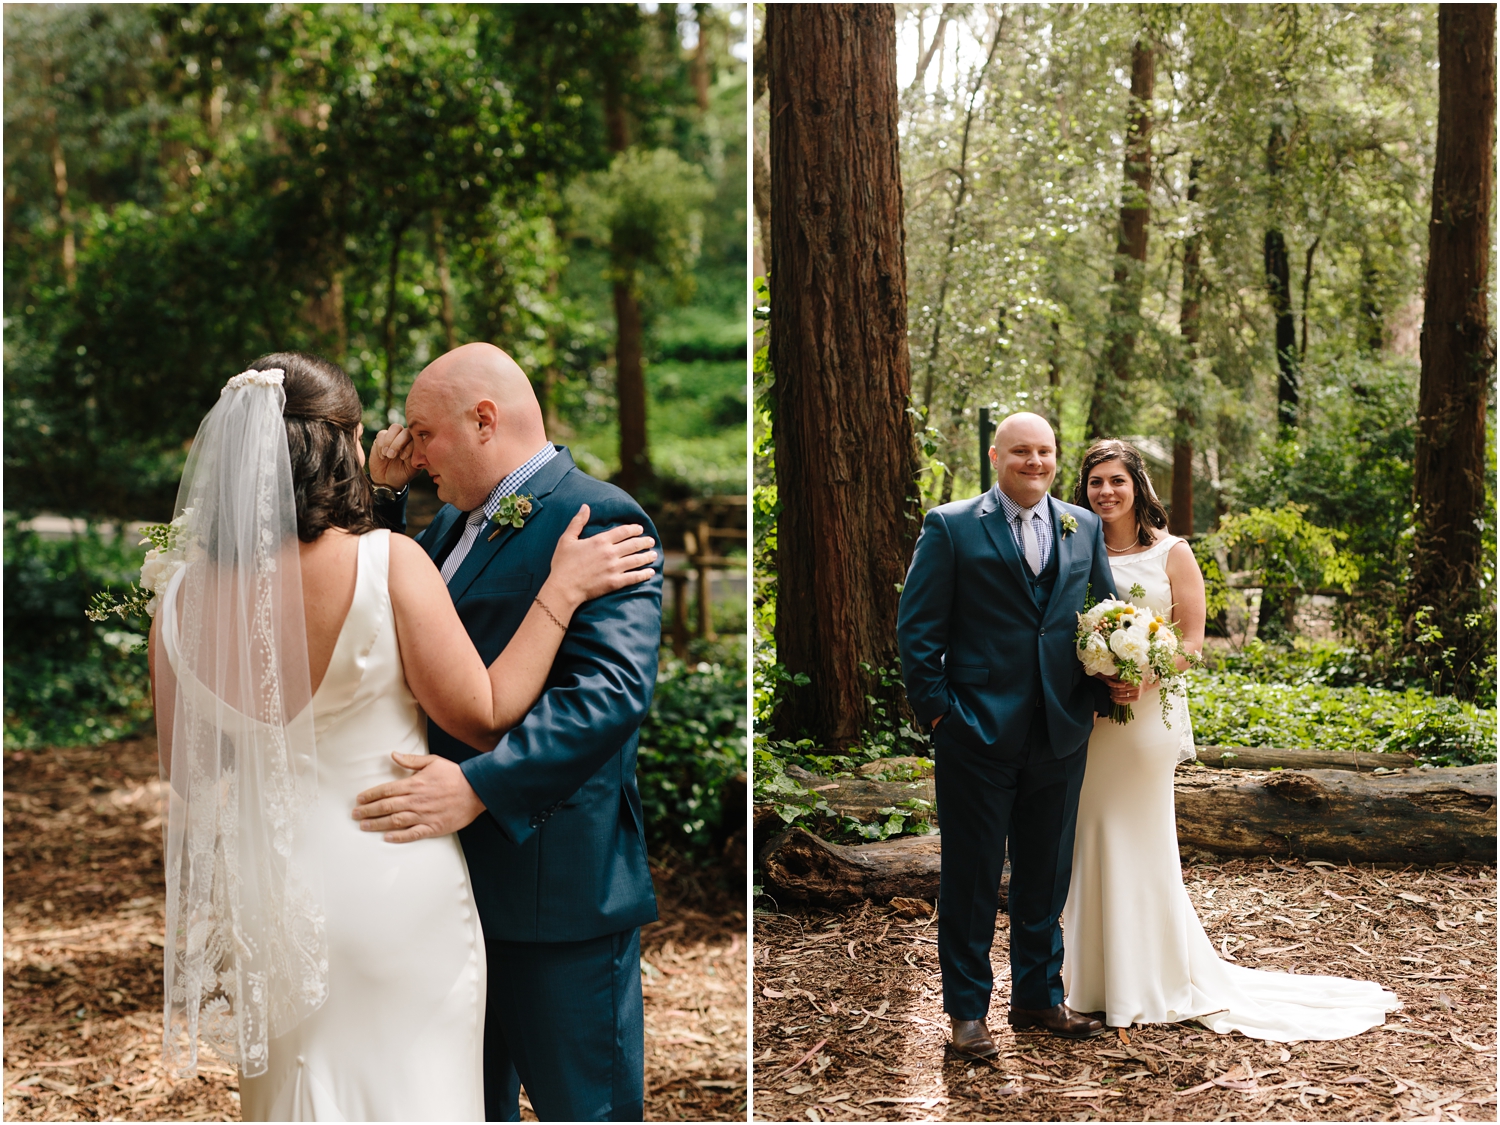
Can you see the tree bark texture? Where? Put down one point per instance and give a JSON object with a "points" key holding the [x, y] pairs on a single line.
{"points": [[1457, 349], [445, 280], [1431, 817], [701, 14], [862, 798], [630, 373], [630, 388], [1130, 248], [388, 329], [1279, 288], [802, 867], [1180, 516], [845, 456]]}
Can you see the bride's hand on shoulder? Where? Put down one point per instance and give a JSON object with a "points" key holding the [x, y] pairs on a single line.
{"points": [[584, 569]]}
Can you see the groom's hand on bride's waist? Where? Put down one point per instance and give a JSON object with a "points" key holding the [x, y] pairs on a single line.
{"points": [[435, 800]]}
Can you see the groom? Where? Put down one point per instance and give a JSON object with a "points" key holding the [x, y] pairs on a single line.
{"points": [[550, 818], [986, 632]]}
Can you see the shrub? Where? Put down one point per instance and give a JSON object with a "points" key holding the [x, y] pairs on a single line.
{"points": [[68, 680], [1238, 709], [692, 746]]}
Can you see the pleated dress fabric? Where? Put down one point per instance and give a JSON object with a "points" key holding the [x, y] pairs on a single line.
{"points": [[1134, 947]]}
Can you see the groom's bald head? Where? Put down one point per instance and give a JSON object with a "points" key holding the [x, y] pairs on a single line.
{"points": [[474, 418], [1024, 454]]}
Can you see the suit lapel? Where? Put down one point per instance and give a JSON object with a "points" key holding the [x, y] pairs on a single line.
{"points": [[992, 517], [436, 535], [1062, 545], [489, 543]]}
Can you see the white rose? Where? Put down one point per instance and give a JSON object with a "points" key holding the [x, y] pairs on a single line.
{"points": [[1096, 658], [1166, 640], [157, 572], [1130, 644]]}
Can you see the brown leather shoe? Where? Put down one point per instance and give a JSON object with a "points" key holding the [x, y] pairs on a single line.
{"points": [[1061, 1021], [971, 1040]]}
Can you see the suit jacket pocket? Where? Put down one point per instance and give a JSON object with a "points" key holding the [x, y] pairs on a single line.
{"points": [[967, 674], [505, 582]]}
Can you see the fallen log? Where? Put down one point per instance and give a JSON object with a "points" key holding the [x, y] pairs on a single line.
{"points": [[805, 868], [1271, 758], [1435, 816], [862, 798]]}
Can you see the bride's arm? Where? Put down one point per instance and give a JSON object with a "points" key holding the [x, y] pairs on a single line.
{"points": [[1188, 606], [443, 670], [163, 701]]}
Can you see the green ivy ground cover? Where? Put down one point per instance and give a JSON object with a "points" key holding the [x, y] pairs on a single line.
{"points": [[1234, 709]]}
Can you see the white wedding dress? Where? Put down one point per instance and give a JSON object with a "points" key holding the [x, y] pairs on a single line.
{"points": [[400, 1036], [1135, 949]]}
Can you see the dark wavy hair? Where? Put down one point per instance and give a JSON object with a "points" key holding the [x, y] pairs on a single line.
{"points": [[1149, 512], [322, 415]]}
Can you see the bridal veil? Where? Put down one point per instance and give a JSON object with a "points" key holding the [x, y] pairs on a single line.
{"points": [[246, 949]]}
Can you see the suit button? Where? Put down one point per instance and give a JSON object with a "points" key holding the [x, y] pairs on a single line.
{"points": [[1043, 633]]}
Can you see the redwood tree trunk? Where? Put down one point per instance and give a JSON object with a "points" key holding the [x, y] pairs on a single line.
{"points": [[1457, 353], [1180, 517], [630, 388], [1130, 250], [630, 373], [845, 455]]}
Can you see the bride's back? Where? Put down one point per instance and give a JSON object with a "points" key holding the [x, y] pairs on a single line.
{"points": [[334, 505], [330, 569]]}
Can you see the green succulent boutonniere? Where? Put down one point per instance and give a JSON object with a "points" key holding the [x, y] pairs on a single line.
{"points": [[512, 512], [1069, 524]]}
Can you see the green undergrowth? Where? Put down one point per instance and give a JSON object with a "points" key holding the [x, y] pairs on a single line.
{"points": [[1237, 709]]}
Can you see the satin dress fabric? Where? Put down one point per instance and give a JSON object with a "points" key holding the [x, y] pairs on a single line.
{"points": [[401, 1035], [1135, 948]]}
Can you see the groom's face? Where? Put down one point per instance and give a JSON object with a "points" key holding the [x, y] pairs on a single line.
{"points": [[1025, 459], [446, 441]]}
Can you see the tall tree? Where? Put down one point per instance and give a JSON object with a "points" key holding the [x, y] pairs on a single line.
{"points": [[630, 336], [1279, 287], [1130, 249], [1180, 517], [845, 454], [1457, 350]]}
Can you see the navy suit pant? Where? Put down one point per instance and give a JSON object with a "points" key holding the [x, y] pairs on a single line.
{"points": [[1026, 796], [565, 1020]]}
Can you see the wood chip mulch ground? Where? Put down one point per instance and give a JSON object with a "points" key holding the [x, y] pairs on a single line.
{"points": [[849, 1023], [82, 957]]}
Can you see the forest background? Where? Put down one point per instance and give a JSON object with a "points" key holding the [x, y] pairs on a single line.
{"points": [[1203, 228], [187, 186]]}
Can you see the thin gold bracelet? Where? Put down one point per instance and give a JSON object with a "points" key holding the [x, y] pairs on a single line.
{"points": [[550, 614]]}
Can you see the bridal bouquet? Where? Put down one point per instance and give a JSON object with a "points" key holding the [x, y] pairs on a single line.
{"points": [[1118, 638], [165, 558]]}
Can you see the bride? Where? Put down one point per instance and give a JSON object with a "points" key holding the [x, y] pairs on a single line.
{"points": [[1136, 951], [293, 652]]}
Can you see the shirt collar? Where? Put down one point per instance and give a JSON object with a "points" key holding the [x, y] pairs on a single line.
{"points": [[1012, 509], [512, 482]]}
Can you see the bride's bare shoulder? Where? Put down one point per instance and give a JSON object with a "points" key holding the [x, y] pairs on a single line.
{"points": [[411, 570]]}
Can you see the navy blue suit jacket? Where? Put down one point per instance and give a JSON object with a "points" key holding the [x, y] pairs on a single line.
{"points": [[561, 853], [975, 643]]}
